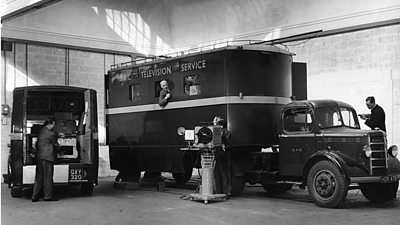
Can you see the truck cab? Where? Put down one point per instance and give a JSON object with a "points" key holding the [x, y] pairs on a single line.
{"points": [[322, 146]]}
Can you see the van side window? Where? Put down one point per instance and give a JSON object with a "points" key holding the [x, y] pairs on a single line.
{"points": [[192, 85], [135, 92], [297, 120]]}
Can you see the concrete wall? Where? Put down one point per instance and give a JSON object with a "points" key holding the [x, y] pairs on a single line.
{"points": [[352, 66], [159, 26], [30, 64], [122, 26], [195, 22]]}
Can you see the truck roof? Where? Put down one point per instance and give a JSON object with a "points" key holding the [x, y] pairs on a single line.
{"points": [[317, 103], [50, 88], [198, 51]]}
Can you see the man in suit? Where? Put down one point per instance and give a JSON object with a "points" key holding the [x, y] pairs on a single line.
{"points": [[45, 157], [377, 117]]}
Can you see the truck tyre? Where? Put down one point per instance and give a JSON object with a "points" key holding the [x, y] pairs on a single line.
{"points": [[379, 193], [182, 178], [327, 187], [9, 174], [16, 192], [277, 188], [237, 185], [87, 188]]}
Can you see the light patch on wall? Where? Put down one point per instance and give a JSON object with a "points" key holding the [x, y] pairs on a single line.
{"points": [[133, 29], [276, 33], [162, 46], [208, 46], [21, 79], [102, 134], [95, 9]]}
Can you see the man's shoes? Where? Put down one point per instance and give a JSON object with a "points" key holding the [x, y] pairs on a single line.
{"points": [[35, 199], [51, 199]]}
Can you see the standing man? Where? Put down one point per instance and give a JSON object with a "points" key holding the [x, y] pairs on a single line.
{"points": [[165, 94], [222, 169], [377, 117], [46, 155]]}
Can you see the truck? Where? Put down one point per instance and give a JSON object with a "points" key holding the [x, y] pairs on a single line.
{"points": [[74, 110], [275, 141]]}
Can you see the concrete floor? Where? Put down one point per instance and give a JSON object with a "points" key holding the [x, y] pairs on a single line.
{"points": [[150, 207]]}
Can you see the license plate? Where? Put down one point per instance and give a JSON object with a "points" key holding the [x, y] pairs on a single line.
{"points": [[77, 175], [389, 179]]}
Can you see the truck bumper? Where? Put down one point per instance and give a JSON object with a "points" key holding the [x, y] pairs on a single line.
{"points": [[376, 179], [63, 174]]}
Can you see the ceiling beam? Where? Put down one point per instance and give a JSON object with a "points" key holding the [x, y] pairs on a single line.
{"points": [[16, 8]]}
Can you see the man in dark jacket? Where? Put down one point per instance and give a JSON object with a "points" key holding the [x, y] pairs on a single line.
{"points": [[45, 157], [377, 117], [222, 169]]}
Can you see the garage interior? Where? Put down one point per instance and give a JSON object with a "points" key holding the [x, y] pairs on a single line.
{"points": [[352, 49]]}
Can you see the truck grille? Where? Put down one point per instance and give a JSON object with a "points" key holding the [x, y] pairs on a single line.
{"points": [[378, 159]]}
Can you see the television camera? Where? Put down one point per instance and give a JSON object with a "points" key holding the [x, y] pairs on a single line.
{"points": [[202, 137], [205, 138]]}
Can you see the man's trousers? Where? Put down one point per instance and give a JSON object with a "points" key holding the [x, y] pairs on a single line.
{"points": [[43, 179]]}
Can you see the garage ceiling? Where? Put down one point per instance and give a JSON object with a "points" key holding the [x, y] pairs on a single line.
{"points": [[13, 8]]}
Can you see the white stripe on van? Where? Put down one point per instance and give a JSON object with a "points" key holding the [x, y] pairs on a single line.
{"points": [[201, 102], [60, 174]]}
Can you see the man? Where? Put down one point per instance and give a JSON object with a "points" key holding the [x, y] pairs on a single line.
{"points": [[46, 155], [165, 94], [377, 117], [222, 169]]}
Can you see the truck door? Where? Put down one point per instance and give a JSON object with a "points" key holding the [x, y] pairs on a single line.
{"points": [[297, 141], [89, 122]]}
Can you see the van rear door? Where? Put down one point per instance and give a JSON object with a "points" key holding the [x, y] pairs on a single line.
{"points": [[89, 122]]}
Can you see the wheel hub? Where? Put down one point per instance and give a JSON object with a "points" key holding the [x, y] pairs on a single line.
{"points": [[325, 184]]}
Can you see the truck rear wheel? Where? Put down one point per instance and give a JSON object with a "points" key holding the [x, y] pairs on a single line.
{"points": [[237, 185], [277, 188], [16, 192], [182, 178], [379, 193], [87, 188], [327, 187]]}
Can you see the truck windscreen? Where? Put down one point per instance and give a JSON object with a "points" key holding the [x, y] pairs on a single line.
{"points": [[328, 117]]}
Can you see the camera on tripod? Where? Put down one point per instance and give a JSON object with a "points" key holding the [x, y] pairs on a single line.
{"points": [[208, 136], [204, 136]]}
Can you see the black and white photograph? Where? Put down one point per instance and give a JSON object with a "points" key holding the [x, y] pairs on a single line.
{"points": [[218, 112]]}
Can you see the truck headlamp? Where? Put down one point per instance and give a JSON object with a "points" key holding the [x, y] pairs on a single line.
{"points": [[393, 151], [367, 150]]}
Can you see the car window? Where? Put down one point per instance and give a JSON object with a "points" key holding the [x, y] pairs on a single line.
{"points": [[297, 120]]}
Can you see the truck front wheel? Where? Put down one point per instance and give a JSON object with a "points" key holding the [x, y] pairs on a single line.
{"points": [[326, 185], [379, 193]]}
